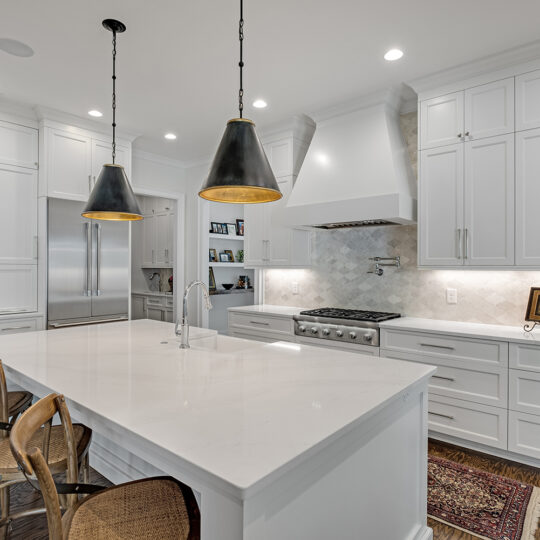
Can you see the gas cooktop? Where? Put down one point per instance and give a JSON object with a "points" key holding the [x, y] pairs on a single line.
{"points": [[351, 314]]}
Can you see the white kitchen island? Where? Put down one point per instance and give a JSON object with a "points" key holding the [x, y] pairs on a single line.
{"points": [[279, 441]]}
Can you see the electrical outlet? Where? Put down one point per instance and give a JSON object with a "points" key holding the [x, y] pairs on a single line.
{"points": [[294, 287], [451, 296]]}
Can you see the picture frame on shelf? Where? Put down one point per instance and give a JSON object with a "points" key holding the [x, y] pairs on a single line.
{"points": [[214, 227], [240, 227], [230, 254], [533, 307], [211, 280], [231, 229], [224, 257], [212, 255]]}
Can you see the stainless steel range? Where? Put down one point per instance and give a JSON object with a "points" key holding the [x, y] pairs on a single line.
{"points": [[342, 325]]}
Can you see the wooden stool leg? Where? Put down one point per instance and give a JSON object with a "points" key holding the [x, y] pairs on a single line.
{"points": [[86, 469], [4, 503]]}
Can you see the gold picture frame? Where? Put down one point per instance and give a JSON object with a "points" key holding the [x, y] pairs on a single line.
{"points": [[533, 307]]}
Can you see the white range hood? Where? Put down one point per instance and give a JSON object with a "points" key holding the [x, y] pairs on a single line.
{"points": [[356, 171]]}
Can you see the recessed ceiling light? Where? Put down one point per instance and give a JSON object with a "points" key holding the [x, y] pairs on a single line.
{"points": [[95, 113], [393, 54], [16, 48], [170, 136], [260, 104]]}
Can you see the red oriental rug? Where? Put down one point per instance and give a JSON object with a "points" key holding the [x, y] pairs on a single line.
{"points": [[483, 504]]}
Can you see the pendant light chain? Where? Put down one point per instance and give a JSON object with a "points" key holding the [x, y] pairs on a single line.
{"points": [[241, 63], [114, 99]]}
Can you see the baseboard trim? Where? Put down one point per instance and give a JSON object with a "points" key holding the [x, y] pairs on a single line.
{"points": [[425, 533]]}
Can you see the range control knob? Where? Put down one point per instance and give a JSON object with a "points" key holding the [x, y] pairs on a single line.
{"points": [[368, 337], [326, 332], [352, 335], [314, 330], [302, 328], [339, 333]]}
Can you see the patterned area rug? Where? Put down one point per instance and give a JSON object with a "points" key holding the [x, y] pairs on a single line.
{"points": [[486, 505]]}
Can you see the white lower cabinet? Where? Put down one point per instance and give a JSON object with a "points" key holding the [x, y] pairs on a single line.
{"points": [[149, 306], [18, 288], [524, 434], [525, 391], [20, 324], [471, 421], [267, 328]]}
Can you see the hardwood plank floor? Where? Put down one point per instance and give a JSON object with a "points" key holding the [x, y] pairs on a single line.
{"points": [[35, 528]]}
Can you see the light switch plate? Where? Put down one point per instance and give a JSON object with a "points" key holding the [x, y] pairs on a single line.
{"points": [[451, 296], [294, 287]]}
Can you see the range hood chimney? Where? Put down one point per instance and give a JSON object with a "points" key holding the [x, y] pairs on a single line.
{"points": [[356, 171]]}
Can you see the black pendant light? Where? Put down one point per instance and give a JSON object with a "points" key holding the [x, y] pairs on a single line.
{"points": [[112, 198], [240, 172]]}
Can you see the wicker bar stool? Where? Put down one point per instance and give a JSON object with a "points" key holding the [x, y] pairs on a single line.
{"points": [[51, 440], [151, 509]]}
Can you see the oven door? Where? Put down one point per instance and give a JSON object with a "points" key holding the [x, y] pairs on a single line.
{"points": [[336, 345]]}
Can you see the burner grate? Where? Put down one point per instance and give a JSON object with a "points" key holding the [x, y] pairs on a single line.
{"points": [[351, 314]]}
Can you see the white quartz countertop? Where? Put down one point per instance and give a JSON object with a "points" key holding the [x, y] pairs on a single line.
{"points": [[269, 309], [234, 409], [514, 334]]}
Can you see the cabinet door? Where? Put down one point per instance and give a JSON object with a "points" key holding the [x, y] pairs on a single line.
{"points": [[18, 145], [441, 121], [255, 235], [69, 171], [279, 237], [155, 314], [528, 101], [138, 308], [489, 202], [489, 109], [18, 215], [527, 197], [18, 288], [149, 241], [162, 244], [102, 154], [440, 220]]}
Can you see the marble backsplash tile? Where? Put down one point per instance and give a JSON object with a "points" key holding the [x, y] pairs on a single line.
{"points": [[339, 278]]}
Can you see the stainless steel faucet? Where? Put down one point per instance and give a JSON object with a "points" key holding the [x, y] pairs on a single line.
{"points": [[184, 326]]}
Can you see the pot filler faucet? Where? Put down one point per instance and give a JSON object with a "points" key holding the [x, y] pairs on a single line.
{"points": [[184, 326]]}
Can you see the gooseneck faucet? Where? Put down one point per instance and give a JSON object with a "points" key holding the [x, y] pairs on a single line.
{"points": [[184, 326]]}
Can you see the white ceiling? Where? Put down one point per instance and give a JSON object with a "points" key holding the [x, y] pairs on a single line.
{"points": [[177, 62]]}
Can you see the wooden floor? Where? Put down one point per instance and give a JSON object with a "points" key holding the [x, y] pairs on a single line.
{"points": [[36, 528]]}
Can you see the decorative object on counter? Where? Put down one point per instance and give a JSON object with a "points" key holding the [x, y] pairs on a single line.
{"points": [[171, 283], [240, 256], [231, 229], [240, 172], [212, 255], [151, 278], [240, 227], [230, 254], [224, 257], [396, 263], [227, 286], [243, 282], [533, 310], [211, 279], [112, 198]]}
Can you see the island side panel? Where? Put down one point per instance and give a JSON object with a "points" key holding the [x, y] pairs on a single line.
{"points": [[370, 484]]}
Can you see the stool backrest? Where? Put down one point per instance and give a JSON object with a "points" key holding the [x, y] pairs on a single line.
{"points": [[33, 463], [4, 407]]}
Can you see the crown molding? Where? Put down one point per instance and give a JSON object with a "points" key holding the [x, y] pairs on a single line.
{"points": [[18, 113], [514, 59], [157, 158]]}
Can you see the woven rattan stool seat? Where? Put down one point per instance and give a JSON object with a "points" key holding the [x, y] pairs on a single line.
{"points": [[153, 509], [17, 401]]}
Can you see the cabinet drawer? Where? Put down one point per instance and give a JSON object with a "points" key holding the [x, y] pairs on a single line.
{"points": [[14, 326], [154, 301], [169, 302], [524, 434], [274, 325], [473, 422], [254, 337], [525, 357], [487, 387], [475, 353], [524, 391]]}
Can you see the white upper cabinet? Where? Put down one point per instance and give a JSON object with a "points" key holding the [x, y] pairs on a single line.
{"points": [[69, 164], [489, 202], [441, 121], [18, 215], [527, 197], [18, 145], [441, 207], [528, 101], [255, 242], [489, 110], [102, 154]]}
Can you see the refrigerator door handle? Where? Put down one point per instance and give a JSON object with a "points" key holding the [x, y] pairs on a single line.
{"points": [[98, 258], [88, 291]]}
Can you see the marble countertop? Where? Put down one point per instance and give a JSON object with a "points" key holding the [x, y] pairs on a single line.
{"points": [[237, 410], [514, 334], [269, 309]]}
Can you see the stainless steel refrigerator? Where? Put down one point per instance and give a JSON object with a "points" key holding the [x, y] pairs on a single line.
{"points": [[88, 274]]}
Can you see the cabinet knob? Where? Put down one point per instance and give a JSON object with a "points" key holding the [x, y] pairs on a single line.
{"points": [[459, 135]]}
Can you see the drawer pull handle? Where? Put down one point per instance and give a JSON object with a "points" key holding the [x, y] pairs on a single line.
{"points": [[441, 415], [260, 322], [446, 347], [444, 378], [7, 328]]}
